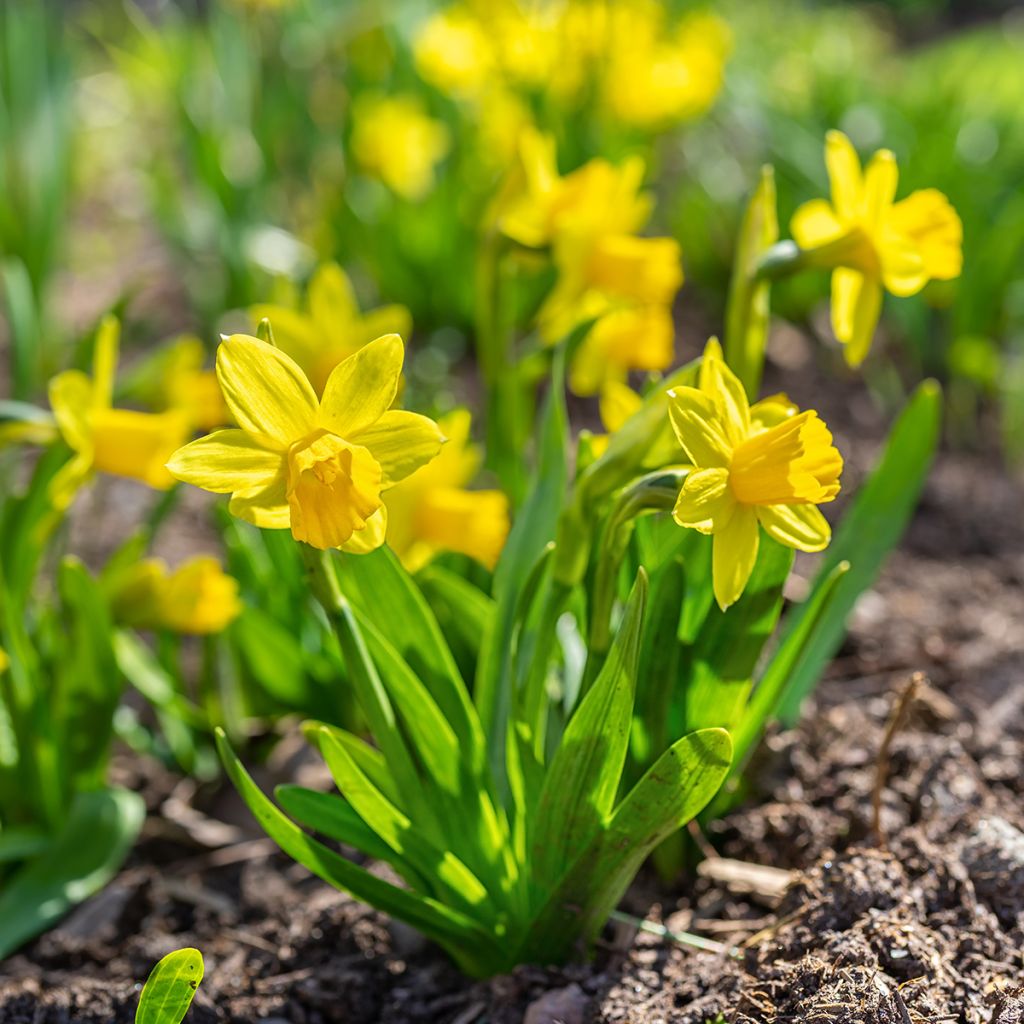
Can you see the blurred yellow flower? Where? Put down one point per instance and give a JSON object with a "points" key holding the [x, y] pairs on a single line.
{"points": [[4, 661], [628, 283], [537, 206], [187, 385], [433, 511], [873, 242], [765, 464], [198, 597], [395, 140], [453, 52], [118, 441], [316, 467], [622, 339], [657, 73], [331, 328]]}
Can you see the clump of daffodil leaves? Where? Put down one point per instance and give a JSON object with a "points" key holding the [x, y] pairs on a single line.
{"points": [[550, 688]]}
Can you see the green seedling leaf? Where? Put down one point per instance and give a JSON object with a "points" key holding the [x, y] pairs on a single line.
{"points": [[463, 611], [170, 988], [84, 856]]}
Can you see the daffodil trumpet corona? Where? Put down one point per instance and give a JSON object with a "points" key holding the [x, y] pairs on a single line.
{"points": [[752, 467], [318, 467]]}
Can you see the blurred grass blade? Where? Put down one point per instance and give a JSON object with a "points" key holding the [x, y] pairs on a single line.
{"points": [[170, 988], [748, 311]]}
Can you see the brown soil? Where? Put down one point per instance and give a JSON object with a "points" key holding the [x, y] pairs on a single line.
{"points": [[926, 924]]}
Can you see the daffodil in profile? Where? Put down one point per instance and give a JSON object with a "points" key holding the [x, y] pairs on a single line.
{"points": [[767, 466], [331, 326], [123, 442], [395, 140], [316, 467], [197, 598], [873, 242], [434, 510]]}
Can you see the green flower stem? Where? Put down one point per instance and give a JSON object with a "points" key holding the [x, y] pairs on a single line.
{"points": [[363, 675], [655, 492]]}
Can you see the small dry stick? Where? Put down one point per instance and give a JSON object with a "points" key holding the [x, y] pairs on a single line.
{"points": [[899, 713]]}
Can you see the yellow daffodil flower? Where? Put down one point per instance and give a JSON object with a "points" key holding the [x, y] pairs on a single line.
{"points": [[197, 597], [453, 52], [118, 441], [316, 467], [618, 403], [4, 661], [396, 141], [432, 510], [177, 379], [762, 466], [622, 339], [874, 242], [537, 206], [331, 327], [628, 283], [656, 73]]}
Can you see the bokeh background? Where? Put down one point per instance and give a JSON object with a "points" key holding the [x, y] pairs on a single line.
{"points": [[180, 162]]}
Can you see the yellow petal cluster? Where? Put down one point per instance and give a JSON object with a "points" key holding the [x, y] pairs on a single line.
{"points": [[606, 272], [395, 140], [873, 242], [118, 441], [764, 466], [644, 66], [331, 327], [197, 597], [318, 467], [433, 510]]}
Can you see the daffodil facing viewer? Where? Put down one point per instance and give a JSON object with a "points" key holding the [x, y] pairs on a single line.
{"points": [[318, 468], [757, 466], [873, 242]]}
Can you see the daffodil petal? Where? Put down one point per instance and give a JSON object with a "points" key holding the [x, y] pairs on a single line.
{"points": [[371, 536], [880, 180], [717, 380], [332, 302], [844, 175], [856, 304], [695, 422], [294, 332], [927, 219], [617, 404], [265, 507], [362, 387], [733, 555], [226, 461], [401, 442], [705, 502], [71, 399], [815, 223], [69, 479], [903, 269], [797, 526], [104, 360], [266, 390]]}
